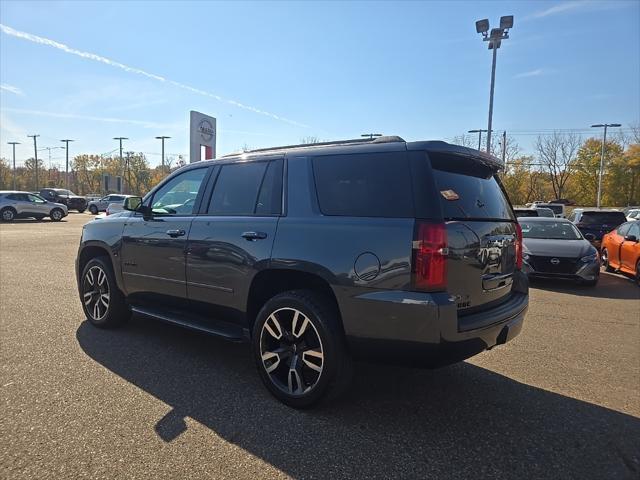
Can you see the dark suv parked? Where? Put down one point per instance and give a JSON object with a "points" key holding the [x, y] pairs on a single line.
{"points": [[319, 254], [594, 223], [66, 197]]}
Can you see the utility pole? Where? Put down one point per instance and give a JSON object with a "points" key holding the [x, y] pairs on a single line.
{"points": [[604, 141], [162, 139], [13, 144], [495, 40], [66, 148], [35, 151], [479, 132]]}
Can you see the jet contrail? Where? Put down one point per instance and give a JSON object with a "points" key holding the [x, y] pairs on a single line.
{"points": [[10, 88], [97, 58]]}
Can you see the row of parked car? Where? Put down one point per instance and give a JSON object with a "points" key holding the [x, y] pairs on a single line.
{"points": [[576, 247], [54, 203]]}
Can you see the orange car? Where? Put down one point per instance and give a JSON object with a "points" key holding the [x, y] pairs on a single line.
{"points": [[621, 249]]}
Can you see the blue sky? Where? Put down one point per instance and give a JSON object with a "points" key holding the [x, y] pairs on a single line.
{"points": [[273, 73]]}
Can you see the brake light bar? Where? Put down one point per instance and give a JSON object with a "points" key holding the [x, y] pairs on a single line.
{"points": [[430, 250], [518, 246]]}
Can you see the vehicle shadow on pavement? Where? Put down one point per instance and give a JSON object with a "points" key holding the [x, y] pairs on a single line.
{"points": [[458, 422], [610, 286]]}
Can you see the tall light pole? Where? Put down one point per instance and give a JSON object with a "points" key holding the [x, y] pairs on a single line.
{"points": [[13, 144], [66, 175], [162, 139], [35, 152], [495, 40], [479, 132], [120, 139], [604, 141]]}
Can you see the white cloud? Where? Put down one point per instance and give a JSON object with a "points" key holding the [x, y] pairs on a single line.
{"points": [[532, 73], [98, 58], [559, 8], [10, 88], [141, 123]]}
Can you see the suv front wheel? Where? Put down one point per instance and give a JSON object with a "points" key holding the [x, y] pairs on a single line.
{"points": [[103, 303], [299, 348]]}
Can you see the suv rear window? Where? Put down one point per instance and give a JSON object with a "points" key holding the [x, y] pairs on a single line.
{"points": [[609, 218], [468, 189], [364, 185]]}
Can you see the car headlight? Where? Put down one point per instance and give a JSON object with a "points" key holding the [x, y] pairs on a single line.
{"points": [[589, 258]]}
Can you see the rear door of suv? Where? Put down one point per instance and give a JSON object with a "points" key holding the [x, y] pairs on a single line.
{"points": [[232, 237], [482, 232]]}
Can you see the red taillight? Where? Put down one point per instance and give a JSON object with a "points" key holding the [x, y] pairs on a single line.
{"points": [[430, 256], [519, 246]]}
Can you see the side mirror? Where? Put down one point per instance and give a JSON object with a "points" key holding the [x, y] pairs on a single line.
{"points": [[631, 238], [132, 204], [590, 236]]}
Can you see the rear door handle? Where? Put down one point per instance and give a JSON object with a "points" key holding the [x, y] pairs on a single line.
{"points": [[176, 233], [251, 236]]}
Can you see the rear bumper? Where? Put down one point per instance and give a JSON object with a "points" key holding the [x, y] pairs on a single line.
{"points": [[423, 329]]}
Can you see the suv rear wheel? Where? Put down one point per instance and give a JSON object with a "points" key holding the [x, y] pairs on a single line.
{"points": [[56, 214], [93, 209], [103, 303], [7, 214], [299, 348]]}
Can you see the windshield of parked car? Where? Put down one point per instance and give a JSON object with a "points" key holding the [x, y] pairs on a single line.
{"points": [[550, 230]]}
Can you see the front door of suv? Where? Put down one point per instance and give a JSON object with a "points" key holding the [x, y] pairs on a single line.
{"points": [[153, 249], [232, 238]]}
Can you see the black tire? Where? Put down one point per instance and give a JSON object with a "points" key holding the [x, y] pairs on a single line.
{"points": [[605, 261], [311, 385], [8, 214], [94, 285], [93, 209], [81, 210], [56, 214], [638, 273]]}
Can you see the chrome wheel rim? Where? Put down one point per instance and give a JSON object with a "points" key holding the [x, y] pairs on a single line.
{"points": [[291, 351], [7, 215], [56, 215], [95, 293], [605, 257]]}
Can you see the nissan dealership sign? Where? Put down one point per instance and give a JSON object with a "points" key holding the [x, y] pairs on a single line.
{"points": [[202, 137]]}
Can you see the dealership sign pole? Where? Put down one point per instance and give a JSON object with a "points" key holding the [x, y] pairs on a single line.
{"points": [[202, 137]]}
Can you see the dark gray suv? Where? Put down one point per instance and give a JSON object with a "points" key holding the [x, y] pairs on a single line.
{"points": [[319, 254]]}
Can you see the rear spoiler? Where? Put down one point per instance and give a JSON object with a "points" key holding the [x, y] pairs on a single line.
{"points": [[443, 147]]}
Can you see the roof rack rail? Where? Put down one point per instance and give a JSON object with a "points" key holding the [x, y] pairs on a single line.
{"points": [[386, 139]]}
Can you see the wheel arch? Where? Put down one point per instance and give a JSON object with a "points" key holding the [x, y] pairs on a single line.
{"points": [[272, 281], [97, 249]]}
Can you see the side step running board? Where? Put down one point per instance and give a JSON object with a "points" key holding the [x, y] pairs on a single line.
{"points": [[226, 330]]}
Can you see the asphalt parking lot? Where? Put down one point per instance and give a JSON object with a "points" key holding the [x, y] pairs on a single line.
{"points": [[154, 401]]}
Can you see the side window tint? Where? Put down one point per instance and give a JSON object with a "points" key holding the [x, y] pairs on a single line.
{"points": [[236, 189], [623, 229], [34, 199], [364, 185], [178, 195], [270, 198], [634, 230]]}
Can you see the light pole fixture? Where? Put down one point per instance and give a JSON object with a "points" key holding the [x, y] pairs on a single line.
{"points": [[494, 38], [371, 135], [162, 138], [13, 144], [604, 141], [479, 132], [66, 175]]}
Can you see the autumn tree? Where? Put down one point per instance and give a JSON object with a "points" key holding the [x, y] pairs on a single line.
{"points": [[557, 155], [587, 169]]}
